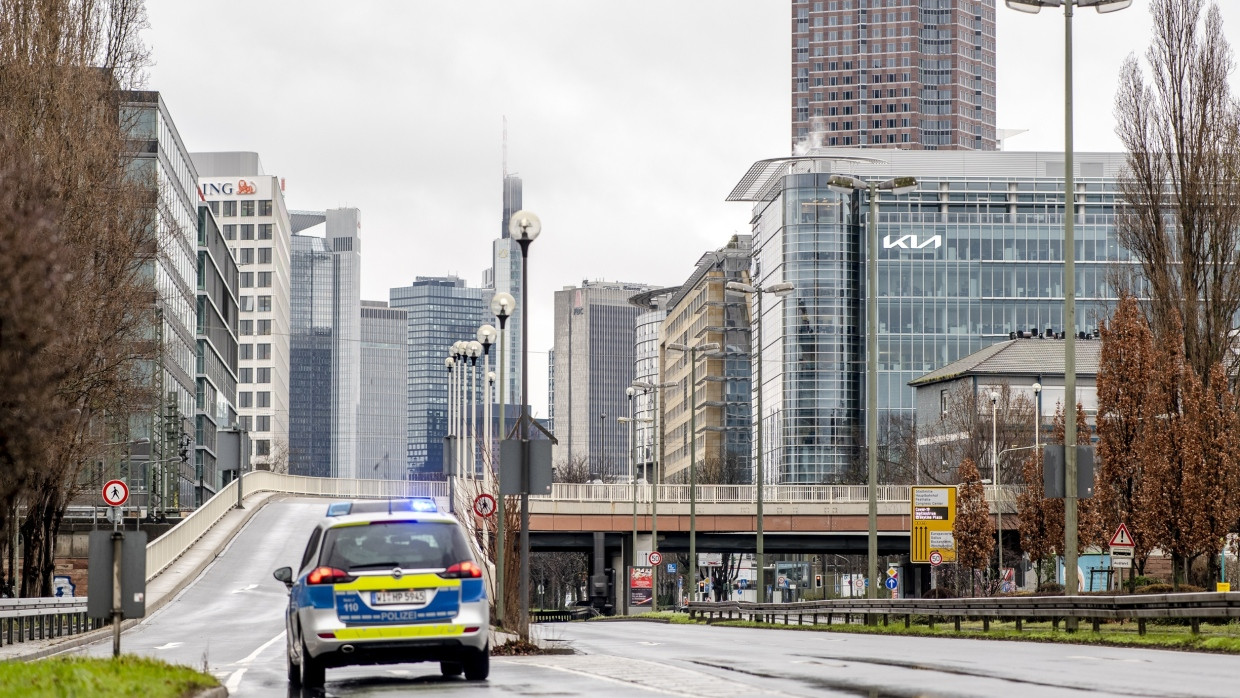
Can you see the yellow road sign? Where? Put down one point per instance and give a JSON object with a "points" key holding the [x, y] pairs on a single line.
{"points": [[933, 517]]}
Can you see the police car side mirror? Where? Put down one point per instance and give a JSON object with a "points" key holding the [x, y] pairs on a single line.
{"points": [[284, 574]]}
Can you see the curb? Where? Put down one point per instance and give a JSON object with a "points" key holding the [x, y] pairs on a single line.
{"points": [[216, 692], [75, 641]]}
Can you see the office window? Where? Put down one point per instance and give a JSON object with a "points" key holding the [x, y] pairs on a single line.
{"points": [[215, 207], [262, 447], [246, 303], [264, 375], [247, 351], [245, 375], [264, 255], [247, 208], [247, 327], [244, 422], [264, 231], [264, 207], [245, 255], [247, 231], [264, 351], [262, 423], [230, 231], [264, 279], [264, 327], [264, 398], [245, 399], [264, 304], [247, 279], [228, 208]]}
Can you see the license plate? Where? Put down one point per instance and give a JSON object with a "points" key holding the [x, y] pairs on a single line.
{"points": [[408, 596]]}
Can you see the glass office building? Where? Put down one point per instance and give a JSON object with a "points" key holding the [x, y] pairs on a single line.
{"points": [[971, 256], [310, 349], [217, 348]]}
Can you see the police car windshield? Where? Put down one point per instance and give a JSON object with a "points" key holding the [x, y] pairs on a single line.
{"points": [[405, 544]]}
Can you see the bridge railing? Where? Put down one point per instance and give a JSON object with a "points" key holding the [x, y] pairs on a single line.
{"points": [[42, 618], [739, 494]]}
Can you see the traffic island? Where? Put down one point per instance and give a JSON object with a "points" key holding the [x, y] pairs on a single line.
{"points": [[104, 678]]}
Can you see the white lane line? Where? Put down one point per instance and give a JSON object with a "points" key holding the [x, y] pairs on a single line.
{"points": [[234, 681], [169, 645], [254, 655], [246, 588]]}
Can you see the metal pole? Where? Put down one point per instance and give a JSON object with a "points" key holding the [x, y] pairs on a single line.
{"points": [[473, 418], [523, 623], [994, 458], [117, 538], [693, 466], [633, 480], [759, 554], [499, 513], [240, 464], [871, 390], [656, 458], [1069, 317]]}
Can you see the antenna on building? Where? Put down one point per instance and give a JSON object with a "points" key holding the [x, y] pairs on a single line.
{"points": [[505, 147]]}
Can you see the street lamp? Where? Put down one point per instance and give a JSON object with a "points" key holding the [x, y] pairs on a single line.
{"points": [[1037, 417], [486, 337], [1069, 281], [656, 458], [524, 227], [693, 352], [474, 349], [843, 184], [994, 460], [502, 306], [780, 290]]}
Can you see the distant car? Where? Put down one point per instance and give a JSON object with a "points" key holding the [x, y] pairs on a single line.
{"points": [[386, 585]]}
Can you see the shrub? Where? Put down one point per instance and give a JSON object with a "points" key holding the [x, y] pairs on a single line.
{"points": [[1050, 589], [1168, 589], [1143, 581], [940, 593]]}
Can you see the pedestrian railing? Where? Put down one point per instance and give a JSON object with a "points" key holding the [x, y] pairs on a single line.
{"points": [[43, 618], [1092, 609]]}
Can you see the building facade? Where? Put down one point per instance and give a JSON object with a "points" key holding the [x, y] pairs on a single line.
{"points": [[595, 336], [909, 74], [250, 208], [310, 351], [217, 352], [159, 157], [382, 420], [504, 276], [701, 312], [971, 256], [651, 311], [440, 311]]}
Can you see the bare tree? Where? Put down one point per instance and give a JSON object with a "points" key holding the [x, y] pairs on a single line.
{"points": [[1179, 125], [974, 532]]}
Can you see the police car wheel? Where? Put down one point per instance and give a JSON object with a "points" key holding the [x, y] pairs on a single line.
{"points": [[313, 673], [294, 671], [451, 668], [478, 666]]}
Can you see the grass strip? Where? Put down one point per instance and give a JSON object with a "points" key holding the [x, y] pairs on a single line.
{"points": [[74, 677]]}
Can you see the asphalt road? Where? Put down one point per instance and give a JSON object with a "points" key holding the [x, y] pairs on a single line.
{"points": [[231, 622]]}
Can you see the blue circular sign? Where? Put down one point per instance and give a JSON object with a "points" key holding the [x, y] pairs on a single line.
{"points": [[892, 583]]}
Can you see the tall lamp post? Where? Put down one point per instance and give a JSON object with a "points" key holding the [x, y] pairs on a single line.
{"points": [[486, 337], [844, 184], [693, 352], [780, 290], [1069, 281], [450, 447], [524, 227], [474, 349], [994, 460], [502, 305], [656, 458]]}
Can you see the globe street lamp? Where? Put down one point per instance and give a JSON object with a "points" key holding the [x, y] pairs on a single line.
{"points": [[502, 306], [843, 184], [524, 227], [693, 352], [780, 290], [486, 337], [1069, 282]]}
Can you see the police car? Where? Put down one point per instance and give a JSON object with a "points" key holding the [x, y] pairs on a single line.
{"points": [[386, 582]]}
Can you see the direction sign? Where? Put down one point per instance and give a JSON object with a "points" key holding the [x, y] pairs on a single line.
{"points": [[892, 572], [115, 492], [892, 583], [1122, 538], [655, 558], [484, 505], [671, 568], [933, 518], [936, 559]]}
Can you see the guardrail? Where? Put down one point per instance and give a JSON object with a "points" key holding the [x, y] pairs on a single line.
{"points": [[43, 618], [1094, 609], [742, 494]]}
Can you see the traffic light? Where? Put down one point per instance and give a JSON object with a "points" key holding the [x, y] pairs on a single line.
{"points": [[818, 581]]}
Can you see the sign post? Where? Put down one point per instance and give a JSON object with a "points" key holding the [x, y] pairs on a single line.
{"points": [[1122, 548], [933, 518]]}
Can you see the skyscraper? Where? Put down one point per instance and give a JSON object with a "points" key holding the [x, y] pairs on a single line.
{"points": [[217, 351], [310, 351], [909, 74], [441, 310], [595, 338], [504, 276], [249, 206], [382, 416]]}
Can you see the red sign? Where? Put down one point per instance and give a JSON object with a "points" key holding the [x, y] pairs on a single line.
{"points": [[1122, 538], [484, 505], [115, 492], [655, 558], [936, 559]]}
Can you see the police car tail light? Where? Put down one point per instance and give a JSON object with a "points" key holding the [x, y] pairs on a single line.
{"points": [[462, 570], [328, 575]]}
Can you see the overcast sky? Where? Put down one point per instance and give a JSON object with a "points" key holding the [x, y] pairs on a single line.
{"points": [[628, 122]]}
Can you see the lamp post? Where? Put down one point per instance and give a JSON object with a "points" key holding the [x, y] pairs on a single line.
{"points": [[1037, 417], [994, 460], [844, 184], [486, 337], [693, 352], [525, 227], [1069, 281], [474, 349], [502, 305], [656, 459], [780, 290]]}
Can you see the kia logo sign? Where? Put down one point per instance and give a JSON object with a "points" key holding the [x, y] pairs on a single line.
{"points": [[912, 242], [241, 188]]}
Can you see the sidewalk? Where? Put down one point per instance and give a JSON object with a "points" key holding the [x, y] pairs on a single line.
{"points": [[160, 590]]}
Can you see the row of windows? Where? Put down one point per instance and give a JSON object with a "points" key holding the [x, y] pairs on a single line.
{"points": [[247, 399], [255, 351], [246, 255], [247, 375], [264, 279], [247, 327], [248, 305], [247, 231], [249, 208]]}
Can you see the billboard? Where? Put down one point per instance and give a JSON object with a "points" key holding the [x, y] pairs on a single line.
{"points": [[933, 518]]}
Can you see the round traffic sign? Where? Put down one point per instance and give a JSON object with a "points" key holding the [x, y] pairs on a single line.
{"points": [[484, 505], [115, 492], [892, 583], [655, 558], [936, 558]]}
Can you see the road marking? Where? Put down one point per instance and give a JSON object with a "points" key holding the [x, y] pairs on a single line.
{"points": [[170, 645], [254, 655], [652, 644], [238, 591], [234, 681]]}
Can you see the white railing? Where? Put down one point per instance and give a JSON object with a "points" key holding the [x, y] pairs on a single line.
{"points": [[164, 550], [727, 494]]}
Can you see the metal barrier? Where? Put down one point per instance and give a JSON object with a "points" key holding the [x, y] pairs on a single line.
{"points": [[43, 618], [1139, 607], [564, 616]]}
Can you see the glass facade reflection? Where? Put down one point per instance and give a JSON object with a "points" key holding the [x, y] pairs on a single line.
{"points": [[975, 253]]}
